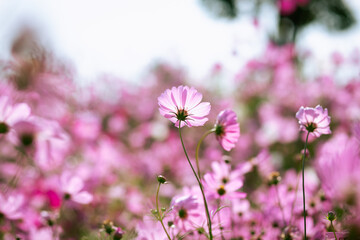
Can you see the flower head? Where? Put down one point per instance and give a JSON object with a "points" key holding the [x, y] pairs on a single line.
{"points": [[72, 187], [11, 114], [11, 207], [227, 129], [184, 104], [223, 183], [314, 120], [185, 211]]}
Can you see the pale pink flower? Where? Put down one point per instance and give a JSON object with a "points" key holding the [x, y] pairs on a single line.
{"points": [[185, 211], [356, 131], [72, 187], [44, 233], [338, 168], [11, 207], [87, 126], [227, 129], [11, 114], [223, 183], [52, 144], [314, 120], [148, 229], [184, 104]]}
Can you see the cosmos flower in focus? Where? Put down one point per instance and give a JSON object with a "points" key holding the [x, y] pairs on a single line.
{"points": [[184, 104], [227, 129], [314, 120]]}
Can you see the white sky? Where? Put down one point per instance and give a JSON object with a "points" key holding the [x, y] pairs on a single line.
{"points": [[125, 38]]}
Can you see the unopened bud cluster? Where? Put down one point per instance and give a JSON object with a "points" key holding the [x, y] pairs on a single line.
{"points": [[274, 178]]}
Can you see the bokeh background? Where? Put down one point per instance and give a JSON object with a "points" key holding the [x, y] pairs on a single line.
{"points": [[90, 151], [127, 38]]}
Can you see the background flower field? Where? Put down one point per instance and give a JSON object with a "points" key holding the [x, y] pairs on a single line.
{"points": [[82, 162]]}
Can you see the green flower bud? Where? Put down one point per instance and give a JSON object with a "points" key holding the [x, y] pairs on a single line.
{"points": [[331, 216], [161, 179]]}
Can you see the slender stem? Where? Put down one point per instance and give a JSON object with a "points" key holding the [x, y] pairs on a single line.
{"points": [[159, 213], [18, 162], [303, 183], [199, 182], [333, 229], [198, 148], [219, 219], [279, 202]]}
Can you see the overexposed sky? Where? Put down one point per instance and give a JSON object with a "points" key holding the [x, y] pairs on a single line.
{"points": [[126, 37]]}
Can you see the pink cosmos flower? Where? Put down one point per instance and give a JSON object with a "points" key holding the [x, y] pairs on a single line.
{"points": [[314, 120], [185, 211], [11, 114], [148, 229], [227, 129], [286, 7], [10, 207], [184, 104], [50, 142], [338, 168], [72, 187], [223, 183]]}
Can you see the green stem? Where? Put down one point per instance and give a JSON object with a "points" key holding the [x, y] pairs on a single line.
{"points": [[159, 213], [198, 148], [303, 183], [199, 182], [333, 229]]}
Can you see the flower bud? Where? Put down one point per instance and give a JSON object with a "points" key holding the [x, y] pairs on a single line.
{"points": [[118, 235], [331, 216], [161, 179], [274, 178], [108, 226], [201, 230]]}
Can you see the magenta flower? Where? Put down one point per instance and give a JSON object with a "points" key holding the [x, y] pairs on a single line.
{"points": [[314, 120], [11, 114], [184, 104], [227, 129]]}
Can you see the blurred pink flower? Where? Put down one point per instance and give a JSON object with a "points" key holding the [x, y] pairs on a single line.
{"points": [[52, 144], [185, 211], [86, 126], [184, 104], [314, 120], [337, 166], [148, 229], [10, 207], [356, 131], [286, 7], [11, 114], [227, 129], [223, 183], [72, 189]]}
